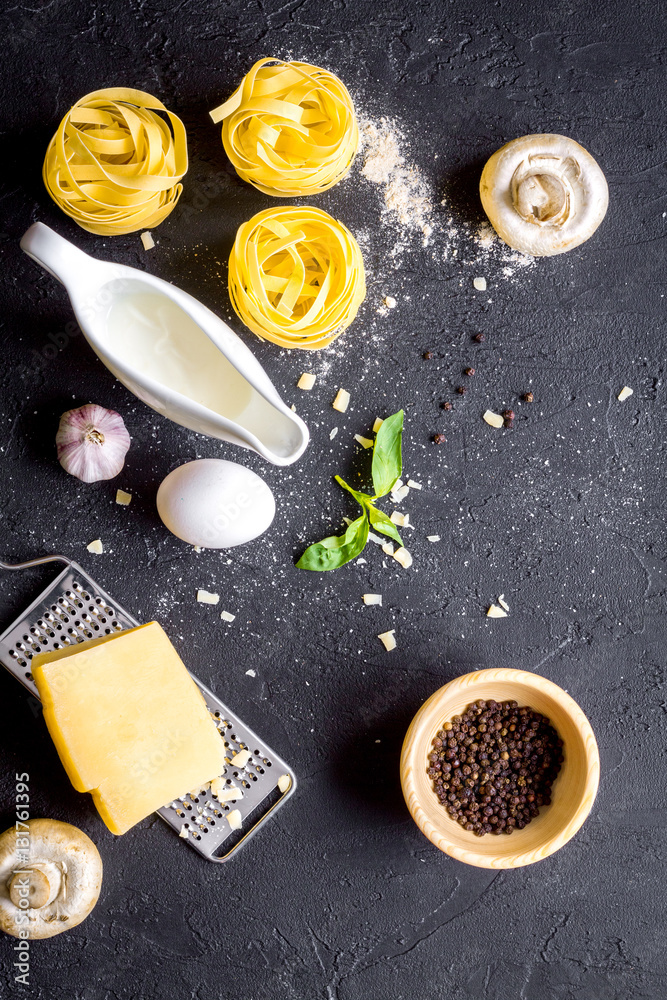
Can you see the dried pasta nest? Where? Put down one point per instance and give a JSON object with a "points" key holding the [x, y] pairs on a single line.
{"points": [[296, 276], [289, 128], [115, 165]]}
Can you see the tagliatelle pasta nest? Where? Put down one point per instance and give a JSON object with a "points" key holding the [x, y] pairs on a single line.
{"points": [[296, 276], [114, 165], [289, 128]]}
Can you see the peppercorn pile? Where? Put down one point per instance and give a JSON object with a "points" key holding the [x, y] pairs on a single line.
{"points": [[493, 767]]}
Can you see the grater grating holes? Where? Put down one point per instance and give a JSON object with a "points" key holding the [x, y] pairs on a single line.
{"points": [[74, 609]]}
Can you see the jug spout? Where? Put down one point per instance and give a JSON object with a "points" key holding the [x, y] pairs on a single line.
{"points": [[71, 266], [172, 352]]}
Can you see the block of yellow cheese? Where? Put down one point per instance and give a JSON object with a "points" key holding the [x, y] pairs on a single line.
{"points": [[129, 723]]}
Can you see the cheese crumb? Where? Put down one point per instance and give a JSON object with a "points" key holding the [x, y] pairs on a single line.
{"points": [[198, 548], [96, 547], [496, 612], [399, 495], [413, 485], [402, 520], [332, 433], [227, 616], [480, 284], [364, 442], [493, 419], [342, 401], [433, 538], [234, 819], [147, 240], [390, 301], [217, 786], [388, 548], [403, 557], [123, 498], [372, 537], [284, 782], [624, 394], [502, 603], [184, 832], [204, 597], [372, 599], [250, 673], [224, 792], [241, 758], [387, 639], [307, 381], [230, 794], [377, 425]]}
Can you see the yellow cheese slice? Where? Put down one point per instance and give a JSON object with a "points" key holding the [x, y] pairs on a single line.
{"points": [[128, 722]]}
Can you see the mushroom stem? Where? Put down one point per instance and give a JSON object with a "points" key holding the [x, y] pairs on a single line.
{"points": [[540, 198], [31, 884]]}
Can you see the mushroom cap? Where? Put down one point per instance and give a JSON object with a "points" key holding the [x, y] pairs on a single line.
{"points": [[544, 194], [61, 884]]}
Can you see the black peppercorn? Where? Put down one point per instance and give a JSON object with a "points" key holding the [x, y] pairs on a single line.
{"points": [[446, 406], [500, 783], [479, 337], [508, 414], [528, 397], [461, 389], [439, 439], [428, 355], [469, 371]]}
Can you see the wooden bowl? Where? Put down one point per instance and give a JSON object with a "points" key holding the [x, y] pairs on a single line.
{"points": [[573, 791]]}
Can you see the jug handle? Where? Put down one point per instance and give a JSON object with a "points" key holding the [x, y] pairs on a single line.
{"points": [[55, 254]]}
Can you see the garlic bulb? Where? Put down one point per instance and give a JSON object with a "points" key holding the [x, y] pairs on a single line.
{"points": [[92, 443], [543, 194]]}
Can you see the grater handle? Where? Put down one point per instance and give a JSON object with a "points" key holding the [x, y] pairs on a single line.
{"points": [[36, 562]]}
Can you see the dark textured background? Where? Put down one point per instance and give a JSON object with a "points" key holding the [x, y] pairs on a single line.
{"points": [[341, 896]]}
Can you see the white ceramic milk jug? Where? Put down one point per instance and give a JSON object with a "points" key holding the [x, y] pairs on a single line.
{"points": [[171, 351]]}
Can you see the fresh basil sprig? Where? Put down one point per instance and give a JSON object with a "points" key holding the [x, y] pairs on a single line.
{"points": [[337, 550]]}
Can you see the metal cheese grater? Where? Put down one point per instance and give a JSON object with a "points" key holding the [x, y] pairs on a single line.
{"points": [[75, 608]]}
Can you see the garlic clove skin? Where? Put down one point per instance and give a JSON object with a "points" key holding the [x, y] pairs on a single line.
{"points": [[543, 194], [92, 443]]}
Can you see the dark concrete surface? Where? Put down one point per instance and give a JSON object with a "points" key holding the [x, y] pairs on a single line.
{"points": [[341, 896]]}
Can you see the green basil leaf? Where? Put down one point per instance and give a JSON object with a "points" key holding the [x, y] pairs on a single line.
{"points": [[362, 498], [383, 524], [336, 550], [387, 459]]}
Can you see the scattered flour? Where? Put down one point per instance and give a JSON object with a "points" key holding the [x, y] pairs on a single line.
{"points": [[407, 195], [411, 209], [491, 247]]}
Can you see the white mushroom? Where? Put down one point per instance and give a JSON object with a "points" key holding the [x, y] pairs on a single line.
{"points": [[50, 878], [543, 194]]}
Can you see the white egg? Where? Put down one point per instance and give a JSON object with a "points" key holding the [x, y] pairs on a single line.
{"points": [[215, 504]]}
